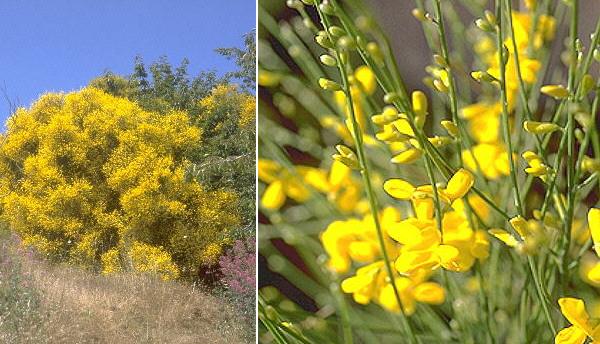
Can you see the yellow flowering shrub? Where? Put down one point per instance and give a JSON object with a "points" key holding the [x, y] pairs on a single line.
{"points": [[92, 179]]}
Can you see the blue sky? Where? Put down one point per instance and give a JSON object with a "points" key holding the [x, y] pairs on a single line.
{"points": [[60, 45]]}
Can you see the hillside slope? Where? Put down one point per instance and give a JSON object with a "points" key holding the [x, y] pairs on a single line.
{"points": [[45, 303]]}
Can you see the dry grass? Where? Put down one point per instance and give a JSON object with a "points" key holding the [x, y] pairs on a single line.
{"points": [[45, 303]]}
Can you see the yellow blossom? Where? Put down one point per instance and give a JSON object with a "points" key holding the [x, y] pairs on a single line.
{"points": [[355, 240], [582, 326], [491, 159]]}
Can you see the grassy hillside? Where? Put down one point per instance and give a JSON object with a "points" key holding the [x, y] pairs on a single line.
{"points": [[45, 303]]}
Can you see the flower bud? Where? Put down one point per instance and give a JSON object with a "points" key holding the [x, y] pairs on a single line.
{"points": [[540, 127], [460, 184], [440, 141], [419, 14], [579, 135], [329, 85], [271, 313], [529, 156], [267, 78], [363, 23], [590, 165], [327, 8], [439, 86], [323, 40], [491, 18], [337, 31], [584, 119], [484, 25], [375, 52], [346, 42], [391, 134], [440, 60], [530, 4], [347, 157], [308, 23], [587, 84], [594, 225], [451, 128], [328, 60], [419, 103], [555, 91], [391, 97], [480, 76], [388, 115], [295, 4], [538, 170]]}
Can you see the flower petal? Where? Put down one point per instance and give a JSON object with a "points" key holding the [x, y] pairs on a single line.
{"points": [[570, 335], [398, 188], [594, 224], [274, 196], [459, 184], [430, 292], [574, 310], [504, 236]]}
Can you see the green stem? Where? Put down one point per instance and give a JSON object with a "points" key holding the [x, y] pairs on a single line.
{"points": [[503, 99], [570, 146]]}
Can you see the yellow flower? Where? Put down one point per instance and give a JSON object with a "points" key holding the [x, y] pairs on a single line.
{"points": [[458, 186], [555, 91], [344, 190], [425, 248], [581, 327], [589, 269], [484, 121], [411, 291], [530, 232], [355, 240], [364, 84], [478, 205], [491, 159], [536, 165], [283, 184], [370, 283]]}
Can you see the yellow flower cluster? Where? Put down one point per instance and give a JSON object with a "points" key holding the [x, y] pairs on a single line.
{"points": [[489, 154], [337, 183], [152, 259], [415, 244], [228, 94], [455, 246]]}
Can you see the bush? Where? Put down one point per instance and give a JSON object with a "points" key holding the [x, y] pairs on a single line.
{"points": [[238, 267], [89, 177]]}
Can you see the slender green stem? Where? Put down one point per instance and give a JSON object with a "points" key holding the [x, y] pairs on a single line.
{"points": [[483, 301], [570, 146], [503, 99]]}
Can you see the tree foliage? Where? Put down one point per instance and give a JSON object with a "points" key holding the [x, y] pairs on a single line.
{"points": [[245, 59], [97, 180]]}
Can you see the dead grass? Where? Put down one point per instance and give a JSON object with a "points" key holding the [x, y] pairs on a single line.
{"points": [[59, 304]]}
